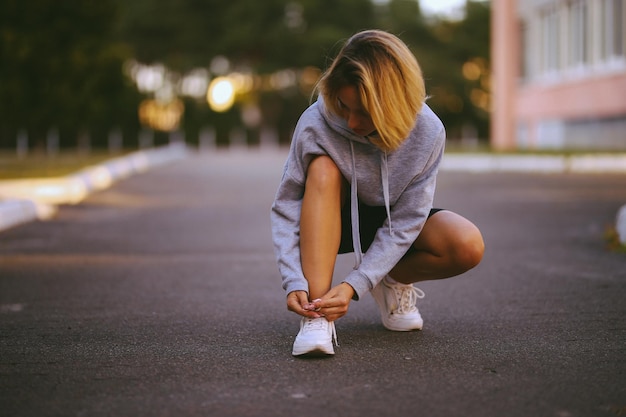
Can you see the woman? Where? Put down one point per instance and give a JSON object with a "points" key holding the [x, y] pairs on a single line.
{"points": [[360, 177]]}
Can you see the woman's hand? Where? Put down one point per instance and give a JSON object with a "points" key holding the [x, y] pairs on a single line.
{"points": [[334, 304], [298, 302]]}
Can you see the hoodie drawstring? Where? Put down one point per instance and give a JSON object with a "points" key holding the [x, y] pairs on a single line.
{"points": [[354, 204], [384, 174], [354, 213]]}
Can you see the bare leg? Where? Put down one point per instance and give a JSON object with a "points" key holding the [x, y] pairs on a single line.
{"points": [[448, 245], [320, 224]]}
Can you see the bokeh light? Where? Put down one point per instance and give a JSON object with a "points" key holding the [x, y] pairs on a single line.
{"points": [[161, 116], [221, 94]]}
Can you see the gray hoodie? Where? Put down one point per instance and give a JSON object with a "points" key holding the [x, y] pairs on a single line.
{"points": [[403, 181]]}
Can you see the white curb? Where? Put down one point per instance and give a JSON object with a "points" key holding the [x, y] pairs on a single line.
{"points": [[27, 200], [17, 211], [601, 163]]}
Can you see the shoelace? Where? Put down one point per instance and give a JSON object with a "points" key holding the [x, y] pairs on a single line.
{"points": [[320, 324], [407, 296]]}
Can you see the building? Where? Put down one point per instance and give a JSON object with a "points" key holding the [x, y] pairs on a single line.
{"points": [[559, 74]]}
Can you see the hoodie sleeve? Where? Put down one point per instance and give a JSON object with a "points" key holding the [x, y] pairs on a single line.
{"points": [[408, 216], [285, 211], [285, 221]]}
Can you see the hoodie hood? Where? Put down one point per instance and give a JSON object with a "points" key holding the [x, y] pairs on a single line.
{"points": [[338, 124]]}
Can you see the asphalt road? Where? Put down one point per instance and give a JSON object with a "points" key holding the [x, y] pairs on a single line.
{"points": [[161, 297]]}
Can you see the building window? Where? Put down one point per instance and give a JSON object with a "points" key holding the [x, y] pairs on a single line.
{"points": [[550, 29], [613, 16], [568, 39], [578, 34]]}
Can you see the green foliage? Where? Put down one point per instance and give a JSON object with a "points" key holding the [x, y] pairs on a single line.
{"points": [[59, 67], [264, 35], [454, 97], [612, 238], [61, 60]]}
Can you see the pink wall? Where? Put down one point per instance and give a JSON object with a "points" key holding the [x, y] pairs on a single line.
{"points": [[589, 98], [505, 61]]}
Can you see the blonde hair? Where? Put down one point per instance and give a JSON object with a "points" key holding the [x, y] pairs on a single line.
{"points": [[388, 79]]}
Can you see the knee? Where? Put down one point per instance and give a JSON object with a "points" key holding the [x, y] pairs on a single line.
{"points": [[469, 249], [323, 173]]}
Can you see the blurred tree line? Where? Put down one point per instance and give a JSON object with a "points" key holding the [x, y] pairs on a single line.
{"points": [[64, 63]]}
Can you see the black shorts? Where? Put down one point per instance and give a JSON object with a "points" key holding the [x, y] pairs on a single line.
{"points": [[371, 219]]}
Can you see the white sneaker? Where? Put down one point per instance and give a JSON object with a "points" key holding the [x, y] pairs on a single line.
{"points": [[315, 337], [397, 305]]}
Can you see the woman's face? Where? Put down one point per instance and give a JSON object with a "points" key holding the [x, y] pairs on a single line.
{"points": [[353, 112]]}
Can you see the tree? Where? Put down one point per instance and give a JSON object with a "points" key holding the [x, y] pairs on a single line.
{"points": [[254, 36], [61, 60], [262, 35], [460, 76], [59, 67]]}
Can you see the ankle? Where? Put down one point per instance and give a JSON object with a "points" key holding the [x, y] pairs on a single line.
{"points": [[390, 280]]}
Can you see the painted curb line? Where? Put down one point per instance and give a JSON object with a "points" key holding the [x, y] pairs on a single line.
{"points": [[18, 211], [600, 163], [27, 200]]}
